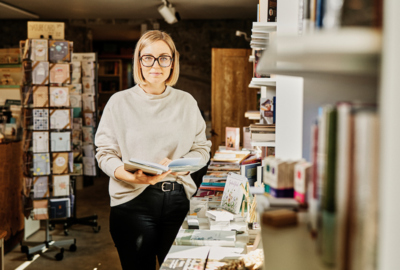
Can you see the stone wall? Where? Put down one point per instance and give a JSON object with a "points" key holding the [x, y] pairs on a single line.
{"points": [[194, 40]]}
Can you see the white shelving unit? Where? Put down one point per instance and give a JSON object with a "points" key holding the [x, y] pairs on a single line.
{"points": [[347, 64], [263, 144], [258, 82]]}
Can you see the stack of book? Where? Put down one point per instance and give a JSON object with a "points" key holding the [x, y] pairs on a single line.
{"points": [[252, 115], [260, 36], [262, 132]]}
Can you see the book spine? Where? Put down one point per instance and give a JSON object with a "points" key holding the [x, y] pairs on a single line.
{"points": [[281, 193]]}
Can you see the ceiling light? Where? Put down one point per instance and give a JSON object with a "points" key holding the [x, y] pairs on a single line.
{"points": [[168, 12]]}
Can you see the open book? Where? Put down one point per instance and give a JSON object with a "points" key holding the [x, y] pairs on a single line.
{"points": [[181, 166]]}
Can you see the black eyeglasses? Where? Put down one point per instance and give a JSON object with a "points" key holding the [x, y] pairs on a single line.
{"points": [[149, 60]]}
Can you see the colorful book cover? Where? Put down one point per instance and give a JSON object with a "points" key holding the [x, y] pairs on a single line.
{"points": [[232, 140], [250, 172], [233, 193], [266, 111]]}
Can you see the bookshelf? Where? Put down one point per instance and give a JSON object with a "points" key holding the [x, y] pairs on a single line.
{"points": [[110, 75], [357, 64]]}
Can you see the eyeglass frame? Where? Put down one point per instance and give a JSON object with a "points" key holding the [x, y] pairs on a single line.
{"points": [[156, 59]]}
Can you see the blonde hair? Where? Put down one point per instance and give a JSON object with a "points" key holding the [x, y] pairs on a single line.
{"points": [[147, 39]]}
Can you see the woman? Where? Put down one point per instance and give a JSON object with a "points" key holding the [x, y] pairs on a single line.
{"points": [[154, 122]]}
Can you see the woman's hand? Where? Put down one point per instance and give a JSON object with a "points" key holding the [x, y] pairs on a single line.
{"points": [[138, 177]]}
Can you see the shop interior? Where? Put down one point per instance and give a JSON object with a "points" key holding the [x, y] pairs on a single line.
{"points": [[299, 100]]}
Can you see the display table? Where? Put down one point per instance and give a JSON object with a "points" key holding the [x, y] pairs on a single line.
{"points": [[180, 254]]}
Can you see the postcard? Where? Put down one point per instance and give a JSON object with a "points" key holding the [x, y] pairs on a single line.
{"points": [[40, 96], [59, 96], [60, 119], [40, 141], [60, 141]]}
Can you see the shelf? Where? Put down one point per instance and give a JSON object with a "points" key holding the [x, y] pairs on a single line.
{"points": [[263, 144], [266, 27], [9, 86], [347, 51], [115, 56], [258, 82], [291, 247], [109, 75]]}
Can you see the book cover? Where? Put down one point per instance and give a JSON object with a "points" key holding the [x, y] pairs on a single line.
{"points": [[250, 172], [206, 238], [365, 204], [185, 258], [266, 111], [182, 165], [247, 138], [272, 10], [231, 156], [233, 193], [302, 174], [232, 140]]}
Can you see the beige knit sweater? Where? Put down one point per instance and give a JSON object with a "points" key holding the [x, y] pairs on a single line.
{"points": [[138, 125]]}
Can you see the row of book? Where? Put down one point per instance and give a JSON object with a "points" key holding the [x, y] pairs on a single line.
{"points": [[343, 191], [317, 14]]}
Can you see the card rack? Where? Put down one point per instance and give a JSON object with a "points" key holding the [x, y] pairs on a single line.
{"points": [[48, 125], [84, 126]]}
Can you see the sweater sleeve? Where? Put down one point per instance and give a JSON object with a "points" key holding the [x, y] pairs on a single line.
{"points": [[108, 151], [201, 146]]}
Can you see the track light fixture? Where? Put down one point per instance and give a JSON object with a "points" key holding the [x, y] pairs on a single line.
{"points": [[168, 12], [240, 33]]}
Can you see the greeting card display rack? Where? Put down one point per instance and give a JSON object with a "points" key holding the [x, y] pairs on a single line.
{"points": [[47, 151], [83, 151]]}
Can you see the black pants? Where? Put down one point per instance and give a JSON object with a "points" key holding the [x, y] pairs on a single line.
{"points": [[146, 226]]}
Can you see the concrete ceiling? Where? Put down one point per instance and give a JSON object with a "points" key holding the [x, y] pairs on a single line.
{"points": [[127, 9]]}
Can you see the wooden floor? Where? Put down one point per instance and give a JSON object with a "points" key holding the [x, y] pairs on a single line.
{"points": [[94, 250]]}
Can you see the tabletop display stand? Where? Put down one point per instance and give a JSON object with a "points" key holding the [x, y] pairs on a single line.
{"points": [[89, 85]]}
